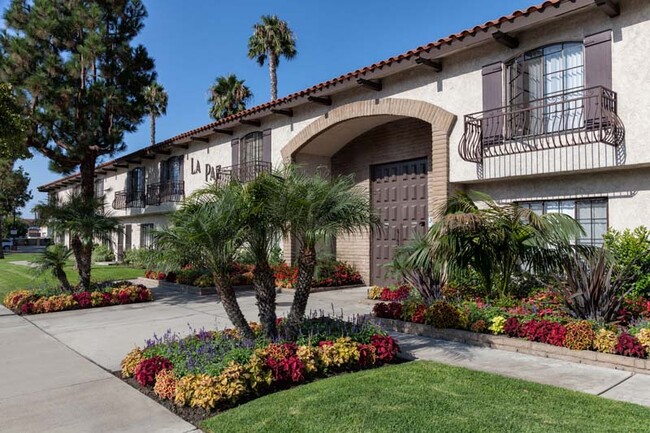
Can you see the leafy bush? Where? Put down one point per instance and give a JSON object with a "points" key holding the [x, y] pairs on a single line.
{"points": [[375, 292], [628, 345], [480, 326], [512, 327], [442, 314], [141, 258], [579, 335], [165, 384], [631, 248], [131, 361], [391, 310], [103, 253], [399, 294], [543, 331], [605, 341], [644, 338], [147, 369], [499, 325]]}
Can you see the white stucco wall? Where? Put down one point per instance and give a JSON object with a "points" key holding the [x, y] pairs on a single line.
{"points": [[458, 89]]}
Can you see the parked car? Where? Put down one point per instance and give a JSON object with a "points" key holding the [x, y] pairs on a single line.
{"points": [[6, 244]]}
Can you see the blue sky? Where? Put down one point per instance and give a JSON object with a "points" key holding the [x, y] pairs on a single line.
{"points": [[193, 41]]}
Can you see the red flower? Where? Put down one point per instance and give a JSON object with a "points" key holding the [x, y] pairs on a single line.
{"points": [[83, 299]]}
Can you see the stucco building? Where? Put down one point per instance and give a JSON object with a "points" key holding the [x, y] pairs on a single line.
{"points": [[547, 107]]}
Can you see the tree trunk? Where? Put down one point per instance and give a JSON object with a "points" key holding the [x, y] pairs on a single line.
{"points": [[273, 69], [264, 282], [84, 260], [152, 118], [75, 245], [2, 250], [306, 268], [60, 275], [230, 304]]}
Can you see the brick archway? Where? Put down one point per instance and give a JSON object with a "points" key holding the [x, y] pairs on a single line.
{"points": [[441, 121]]}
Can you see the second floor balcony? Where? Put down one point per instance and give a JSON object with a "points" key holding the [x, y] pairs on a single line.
{"points": [[165, 192], [585, 116], [129, 199], [244, 172]]}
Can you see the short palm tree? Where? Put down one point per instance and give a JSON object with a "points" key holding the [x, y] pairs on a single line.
{"points": [[227, 96], [262, 230], [53, 260], [317, 209], [497, 240], [86, 221], [156, 99], [272, 38], [208, 228]]}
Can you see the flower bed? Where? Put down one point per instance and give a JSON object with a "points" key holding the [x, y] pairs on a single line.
{"points": [[211, 371], [241, 275], [539, 318], [30, 302], [334, 274]]}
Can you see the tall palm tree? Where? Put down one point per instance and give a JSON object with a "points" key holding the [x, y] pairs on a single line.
{"points": [[317, 209], [498, 240], [86, 221], [53, 259], [208, 228], [272, 38], [156, 100], [228, 95]]}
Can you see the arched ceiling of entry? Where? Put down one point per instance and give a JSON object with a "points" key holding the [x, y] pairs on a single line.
{"points": [[335, 138]]}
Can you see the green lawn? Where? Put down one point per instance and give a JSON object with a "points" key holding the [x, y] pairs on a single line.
{"points": [[430, 397], [14, 277]]}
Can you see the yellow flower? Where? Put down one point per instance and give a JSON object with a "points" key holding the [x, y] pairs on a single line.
{"points": [[130, 361], [605, 341], [496, 324]]}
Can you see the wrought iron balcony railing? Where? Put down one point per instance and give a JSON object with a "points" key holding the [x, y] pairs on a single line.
{"points": [[243, 172], [165, 192], [129, 199], [584, 116]]}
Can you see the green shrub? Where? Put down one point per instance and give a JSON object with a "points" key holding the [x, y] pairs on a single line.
{"points": [[632, 248], [141, 258], [103, 253]]}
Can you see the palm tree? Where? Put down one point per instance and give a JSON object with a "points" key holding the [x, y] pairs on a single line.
{"points": [[228, 95], [272, 38], [208, 228], [53, 259], [156, 100], [85, 221], [317, 209], [498, 240], [262, 230]]}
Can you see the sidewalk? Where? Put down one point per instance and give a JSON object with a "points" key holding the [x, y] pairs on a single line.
{"points": [[605, 382], [47, 387]]}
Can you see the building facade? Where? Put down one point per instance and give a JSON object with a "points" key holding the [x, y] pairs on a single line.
{"points": [[546, 107]]}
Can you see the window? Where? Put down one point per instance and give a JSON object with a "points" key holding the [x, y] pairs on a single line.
{"points": [[590, 213], [171, 170], [99, 188], [146, 235], [135, 181], [250, 148], [551, 78]]}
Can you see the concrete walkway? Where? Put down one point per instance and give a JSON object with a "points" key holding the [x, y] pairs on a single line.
{"points": [[605, 382], [47, 387]]}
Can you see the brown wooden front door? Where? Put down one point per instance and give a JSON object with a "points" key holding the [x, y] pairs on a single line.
{"points": [[399, 196]]}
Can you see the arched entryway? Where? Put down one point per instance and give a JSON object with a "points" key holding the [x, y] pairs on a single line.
{"points": [[397, 150]]}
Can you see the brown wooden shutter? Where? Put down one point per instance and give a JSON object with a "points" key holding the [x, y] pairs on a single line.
{"points": [[492, 99], [598, 60], [266, 146], [234, 144]]}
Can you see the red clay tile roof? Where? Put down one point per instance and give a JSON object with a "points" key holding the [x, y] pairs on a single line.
{"points": [[343, 78]]}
